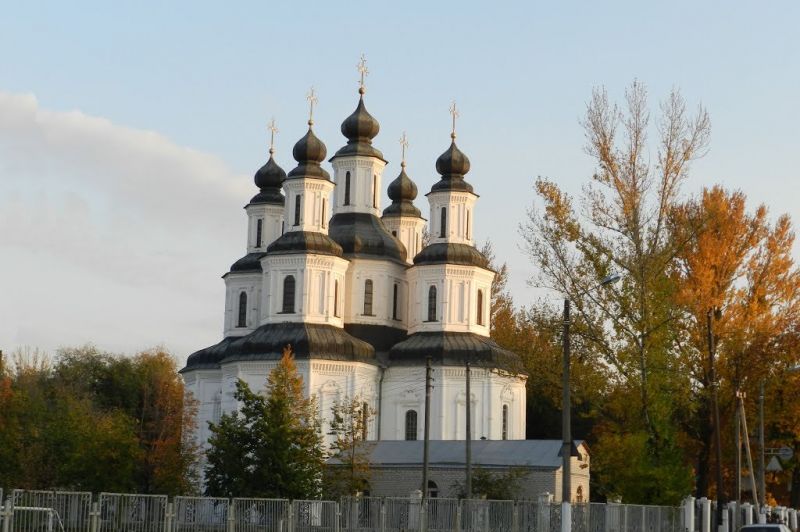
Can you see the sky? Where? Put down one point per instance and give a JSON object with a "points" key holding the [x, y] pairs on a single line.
{"points": [[130, 131]]}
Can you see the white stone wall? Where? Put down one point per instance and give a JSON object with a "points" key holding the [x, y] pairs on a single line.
{"points": [[271, 217], [457, 296], [403, 389], [315, 208], [409, 231], [366, 192], [235, 284], [315, 278], [384, 275], [460, 206]]}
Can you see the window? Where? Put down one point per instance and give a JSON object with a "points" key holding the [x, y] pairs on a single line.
{"points": [[368, 297], [505, 422], [467, 224], [283, 227], [297, 209], [432, 303], [433, 489], [259, 225], [347, 188], [375, 191], [288, 295], [323, 212], [480, 307], [364, 420], [394, 302], [411, 425], [443, 227], [579, 495], [336, 298], [242, 321], [394, 234]]}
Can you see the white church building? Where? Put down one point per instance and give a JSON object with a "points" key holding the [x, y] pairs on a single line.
{"points": [[362, 298]]}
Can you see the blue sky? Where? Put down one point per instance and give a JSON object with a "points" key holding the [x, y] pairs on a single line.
{"points": [[129, 131]]}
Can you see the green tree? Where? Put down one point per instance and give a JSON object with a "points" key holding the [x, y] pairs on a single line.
{"points": [[488, 484], [350, 472], [625, 228], [270, 447]]}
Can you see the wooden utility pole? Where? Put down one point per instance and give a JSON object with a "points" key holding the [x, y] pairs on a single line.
{"points": [[717, 436], [469, 438], [428, 386]]}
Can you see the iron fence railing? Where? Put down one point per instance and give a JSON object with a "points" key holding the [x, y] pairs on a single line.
{"points": [[65, 511]]}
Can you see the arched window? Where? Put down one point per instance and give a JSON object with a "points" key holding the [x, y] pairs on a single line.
{"points": [[443, 227], [480, 307], [368, 297], [411, 425], [259, 225], [375, 191], [505, 422], [467, 231], [432, 303], [347, 188], [579, 495], [336, 298], [394, 234], [297, 209], [433, 490], [323, 213], [288, 294], [283, 226], [242, 321], [394, 302]]}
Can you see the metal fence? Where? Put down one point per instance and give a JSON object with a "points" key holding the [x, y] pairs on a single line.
{"points": [[63, 511]]}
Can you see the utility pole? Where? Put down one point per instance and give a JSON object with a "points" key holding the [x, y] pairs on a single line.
{"points": [[469, 438], [566, 431], [762, 484], [428, 387], [717, 437], [746, 434]]}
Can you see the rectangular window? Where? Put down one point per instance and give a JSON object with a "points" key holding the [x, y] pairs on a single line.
{"points": [[259, 224], [394, 302], [297, 201]]}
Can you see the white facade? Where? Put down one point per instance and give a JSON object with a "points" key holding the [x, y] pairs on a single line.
{"points": [[278, 288]]}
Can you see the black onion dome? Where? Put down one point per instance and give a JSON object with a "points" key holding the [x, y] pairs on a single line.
{"points": [[452, 165], [309, 152], [402, 191], [363, 234], [451, 253], [293, 242], [360, 128], [269, 178]]}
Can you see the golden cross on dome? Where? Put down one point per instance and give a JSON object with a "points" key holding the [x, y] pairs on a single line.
{"points": [[312, 99], [403, 145], [454, 112], [364, 71], [272, 130]]}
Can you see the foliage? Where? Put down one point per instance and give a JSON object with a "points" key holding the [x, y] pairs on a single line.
{"points": [[271, 446], [97, 422], [488, 484], [350, 423]]}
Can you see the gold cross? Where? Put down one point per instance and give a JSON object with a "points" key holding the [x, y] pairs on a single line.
{"points": [[272, 130], [454, 112], [312, 99], [363, 70], [403, 145]]}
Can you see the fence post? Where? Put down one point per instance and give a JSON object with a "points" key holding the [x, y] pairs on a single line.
{"points": [[383, 515], [338, 516], [459, 509], [688, 514], [291, 516], [8, 514], [231, 517], [168, 517], [423, 515], [515, 517]]}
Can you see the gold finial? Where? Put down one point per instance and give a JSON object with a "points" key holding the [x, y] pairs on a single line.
{"points": [[403, 145], [272, 130], [312, 99], [454, 112], [364, 71]]}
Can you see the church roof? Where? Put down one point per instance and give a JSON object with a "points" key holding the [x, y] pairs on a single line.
{"points": [[304, 242], [249, 263], [269, 179], [544, 454], [362, 234], [453, 349], [402, 191], [451, 253], [452, 165], [308, 341], [309, 151]]}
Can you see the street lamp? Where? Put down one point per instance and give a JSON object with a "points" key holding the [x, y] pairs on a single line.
{"points": [[566, 415]]}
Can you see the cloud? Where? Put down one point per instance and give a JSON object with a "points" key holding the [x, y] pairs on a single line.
{"points": [[88, 203]]}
